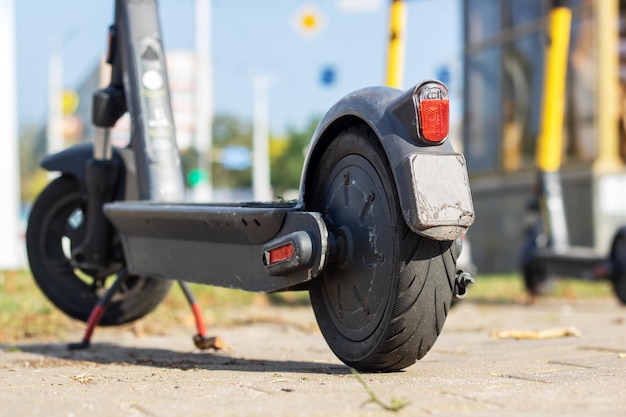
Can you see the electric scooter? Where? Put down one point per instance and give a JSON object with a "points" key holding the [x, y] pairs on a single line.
{"points": [[546, 253], [372, 237]]}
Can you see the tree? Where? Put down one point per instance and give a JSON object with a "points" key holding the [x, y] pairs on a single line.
{"points": [[32, 148], [228, 131], [286, 168]]}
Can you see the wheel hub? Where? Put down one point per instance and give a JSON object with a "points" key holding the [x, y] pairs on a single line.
{"points": [[344, 248], [356, 283]]}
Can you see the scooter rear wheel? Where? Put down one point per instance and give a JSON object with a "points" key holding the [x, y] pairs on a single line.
{"points": [[55, 226], [382, 301]]}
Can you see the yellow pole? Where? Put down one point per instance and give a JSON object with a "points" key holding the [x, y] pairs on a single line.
{"points": [[550, 141], [607, 15], [397, 35]]}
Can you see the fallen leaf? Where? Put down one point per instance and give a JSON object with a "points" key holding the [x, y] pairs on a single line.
{"points": [[532, 335]]}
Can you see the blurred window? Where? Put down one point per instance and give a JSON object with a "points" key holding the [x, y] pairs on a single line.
{"points": [[503, 83]]}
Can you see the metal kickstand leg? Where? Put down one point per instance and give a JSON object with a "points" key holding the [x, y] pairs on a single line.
{"points": [[200, 340], [98, 311]]}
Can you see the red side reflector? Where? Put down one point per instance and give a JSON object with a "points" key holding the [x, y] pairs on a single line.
{"points": [[435, 116], [281, 253]]}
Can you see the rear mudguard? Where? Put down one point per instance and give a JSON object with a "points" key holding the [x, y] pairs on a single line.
{"points": [[431, 181], [72, 161]]}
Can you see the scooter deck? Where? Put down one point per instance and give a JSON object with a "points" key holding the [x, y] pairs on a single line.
{"points": [[247, 223], [225, 245], [579, 262]]}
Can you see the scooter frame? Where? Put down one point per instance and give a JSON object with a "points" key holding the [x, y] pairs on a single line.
{"points": [[547, 253], [138, 192]]}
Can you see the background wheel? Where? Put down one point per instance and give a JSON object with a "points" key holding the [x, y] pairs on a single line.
{"points": [[55, 226], [382, 302], [536, 280], [618, 263]]}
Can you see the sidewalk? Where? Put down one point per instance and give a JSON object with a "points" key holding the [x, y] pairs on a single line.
{"points": [[281, 366]]}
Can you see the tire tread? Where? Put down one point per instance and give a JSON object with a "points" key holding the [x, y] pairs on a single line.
{"points": [[422, 295]]}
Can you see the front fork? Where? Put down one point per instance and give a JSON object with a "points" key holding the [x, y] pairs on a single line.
{"points": [[101, 175], [101, 179]]}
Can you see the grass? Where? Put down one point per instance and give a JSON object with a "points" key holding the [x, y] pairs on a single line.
{"points": [[26, 314], [505, 288]]}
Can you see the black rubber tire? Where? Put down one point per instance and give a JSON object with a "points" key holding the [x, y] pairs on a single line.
{"points": [[536, 280], [382, 303], [55, 220], [618, 263]]}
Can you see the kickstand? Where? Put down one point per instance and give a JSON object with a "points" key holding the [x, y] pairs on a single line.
{"points": [[98, 312], [200, 340]]}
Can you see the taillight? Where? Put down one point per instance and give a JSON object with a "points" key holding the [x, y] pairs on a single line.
{"points": [[432, 109]]}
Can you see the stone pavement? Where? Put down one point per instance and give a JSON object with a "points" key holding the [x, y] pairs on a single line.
{"points": [[279, 365]]}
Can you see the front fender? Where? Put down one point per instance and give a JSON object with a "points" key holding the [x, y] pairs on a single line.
{"points": [[72, 161], [431, 181]]}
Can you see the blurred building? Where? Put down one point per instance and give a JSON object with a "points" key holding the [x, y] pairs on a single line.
{"points": [[504, 42]]}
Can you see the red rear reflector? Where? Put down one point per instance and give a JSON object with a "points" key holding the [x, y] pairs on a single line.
{"points": [[435, 116], [281, 253]]}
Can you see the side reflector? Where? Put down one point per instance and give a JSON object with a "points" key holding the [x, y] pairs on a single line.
{"points": [[282, 253], [433, 111], [288, 254]]}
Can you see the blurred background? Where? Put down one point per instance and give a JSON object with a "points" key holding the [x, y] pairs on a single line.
{"points": [[294, 59], [503, 83], [289, 60]]}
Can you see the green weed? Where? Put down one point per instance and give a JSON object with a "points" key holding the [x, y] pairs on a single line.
{"points": [[395, 404]]}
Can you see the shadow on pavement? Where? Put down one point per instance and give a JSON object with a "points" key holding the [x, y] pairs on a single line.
{"points": [[111, 354]]}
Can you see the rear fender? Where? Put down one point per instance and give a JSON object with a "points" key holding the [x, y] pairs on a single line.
{"points": [[431, 181]]}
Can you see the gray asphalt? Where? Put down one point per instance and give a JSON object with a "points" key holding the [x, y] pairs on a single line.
{"points": [[279, 365]]}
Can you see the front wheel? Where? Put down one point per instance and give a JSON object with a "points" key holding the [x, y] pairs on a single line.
{"points": [[56, 225], [382, 301]]}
